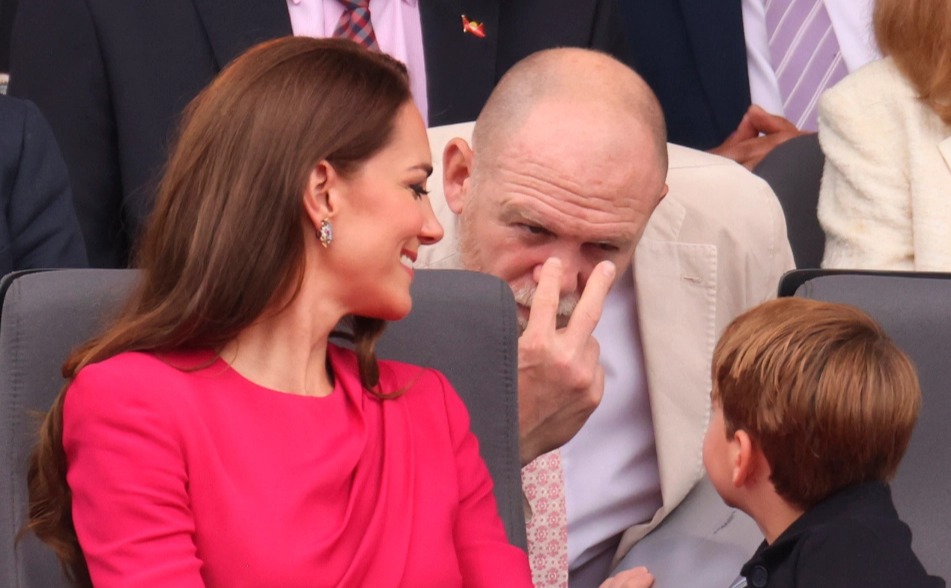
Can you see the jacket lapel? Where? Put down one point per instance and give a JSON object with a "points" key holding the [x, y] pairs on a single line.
{"points": [[460, 66], [945, 148], [676, 286], [236, 25]]}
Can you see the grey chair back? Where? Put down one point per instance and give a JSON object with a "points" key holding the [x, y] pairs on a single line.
{"points": [[794, 171], [915, 310], [462, 323]]}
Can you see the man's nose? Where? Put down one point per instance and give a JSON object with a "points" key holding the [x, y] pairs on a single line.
{"points": [[573, 274]]}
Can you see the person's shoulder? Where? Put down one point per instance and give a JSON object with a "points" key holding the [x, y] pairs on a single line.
{"points": [[419, 385], [874, 85], [864, 548], [18, 115], [14, 113], [684, 158], [394, 375], [134, 376], [706, 182], [714, 194], [131, 363], [22, 125], [408, 376], [14, 107], [881, 72]]}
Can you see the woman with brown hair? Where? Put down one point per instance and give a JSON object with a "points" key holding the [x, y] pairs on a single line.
{"points": [[213, 436], [885, 201]]}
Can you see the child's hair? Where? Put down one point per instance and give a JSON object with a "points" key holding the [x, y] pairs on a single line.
{"points": [[821, 389]]}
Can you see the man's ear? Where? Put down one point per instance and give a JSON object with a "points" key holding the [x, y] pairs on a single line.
{"points": [[456, 173], [320, 195]]}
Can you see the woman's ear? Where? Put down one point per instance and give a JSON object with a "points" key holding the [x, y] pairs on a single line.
{"points": [[457, 171], [320, 195]]}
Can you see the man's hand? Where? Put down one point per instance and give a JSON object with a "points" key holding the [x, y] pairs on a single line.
{"points": [[560, 380], [633, 578], [747, 146]]}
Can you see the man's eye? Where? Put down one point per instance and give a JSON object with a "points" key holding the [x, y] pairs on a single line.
{"points": [[533, 229], [419, 190], [608, 247]]}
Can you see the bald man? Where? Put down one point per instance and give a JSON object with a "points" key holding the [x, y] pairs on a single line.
{"points": [[562, 188]]}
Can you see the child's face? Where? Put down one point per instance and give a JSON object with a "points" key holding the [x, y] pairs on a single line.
{"points": [[716, 455]]}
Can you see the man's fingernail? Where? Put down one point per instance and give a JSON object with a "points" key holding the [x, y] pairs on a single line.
{"points": [[609, 269]]}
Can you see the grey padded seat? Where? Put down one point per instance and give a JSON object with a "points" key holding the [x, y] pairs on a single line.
{"points": [[915, 310], [794, 171], [462, 323]]}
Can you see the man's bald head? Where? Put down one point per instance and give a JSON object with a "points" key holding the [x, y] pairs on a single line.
{"points": [[568, 160], [598, 85]]}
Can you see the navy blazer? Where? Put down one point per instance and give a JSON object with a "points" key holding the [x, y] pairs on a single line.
{"points": [[693, 54], [38, 227], [112, 76], [7, 10]]}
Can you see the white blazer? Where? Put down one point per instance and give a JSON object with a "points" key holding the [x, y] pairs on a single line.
{"points": [[885, 201]]}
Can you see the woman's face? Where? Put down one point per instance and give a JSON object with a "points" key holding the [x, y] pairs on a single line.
{"points": [[385, 219]]}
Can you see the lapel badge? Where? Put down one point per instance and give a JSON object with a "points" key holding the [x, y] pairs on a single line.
{"points": [[473, 27]]}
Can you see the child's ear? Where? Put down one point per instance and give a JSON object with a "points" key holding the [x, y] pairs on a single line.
{"points": [[744, 459]]}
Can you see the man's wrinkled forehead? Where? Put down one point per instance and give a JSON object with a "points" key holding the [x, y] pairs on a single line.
{"points": [[564, 163], [576, 219], [597, 140]]}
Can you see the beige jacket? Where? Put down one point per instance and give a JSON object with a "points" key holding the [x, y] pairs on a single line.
{"points": [[715, 246], [885, 201]]}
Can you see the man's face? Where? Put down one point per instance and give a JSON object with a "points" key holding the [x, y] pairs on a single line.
{"points": [[560, 187]]}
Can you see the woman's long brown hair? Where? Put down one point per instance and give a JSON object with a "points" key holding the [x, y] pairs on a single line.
{"points": [[225, 241]]}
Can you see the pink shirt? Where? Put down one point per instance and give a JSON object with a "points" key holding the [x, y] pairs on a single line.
{"points": [[397, 29], [199, 477]]}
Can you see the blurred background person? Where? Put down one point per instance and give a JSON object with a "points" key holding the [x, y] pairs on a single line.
{"points": [[213, 436], [112, 76], [38, 226], [885, 201], [710, 62], [7, 10]]}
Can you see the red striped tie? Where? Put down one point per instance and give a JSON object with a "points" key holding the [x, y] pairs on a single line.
{"points": [[355, 23]]}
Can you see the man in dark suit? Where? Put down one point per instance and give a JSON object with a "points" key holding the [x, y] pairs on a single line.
{"points": [[692, 53], [7, 10], [698, 55], [38, 227], [112, 76]]}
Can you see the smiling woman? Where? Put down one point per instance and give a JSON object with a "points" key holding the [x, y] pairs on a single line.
{"points": [[212, 436]]}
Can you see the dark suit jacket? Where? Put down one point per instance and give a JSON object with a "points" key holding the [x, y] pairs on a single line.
{"points": [[112, 76], [693, 54], [853, 539], [7, 10], [38, 227]]}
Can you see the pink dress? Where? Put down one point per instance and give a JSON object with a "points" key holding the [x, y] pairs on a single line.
{"points": [[199, 477]]}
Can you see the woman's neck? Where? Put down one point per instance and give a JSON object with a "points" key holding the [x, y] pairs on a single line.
{"points": [[287, 350]]}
